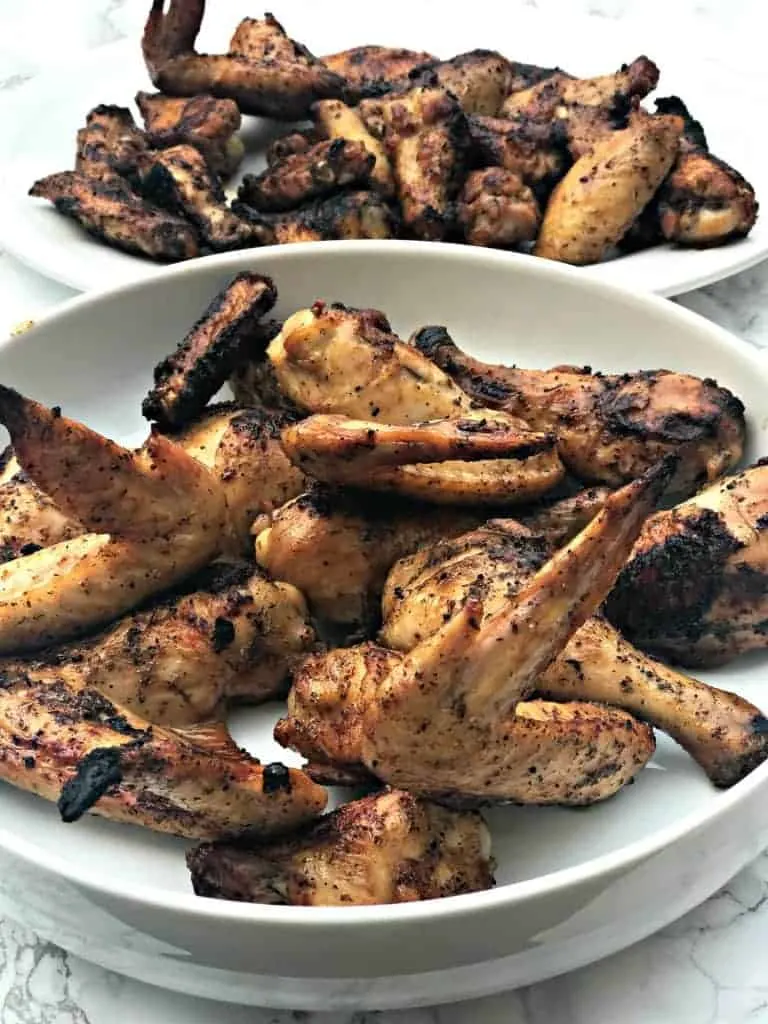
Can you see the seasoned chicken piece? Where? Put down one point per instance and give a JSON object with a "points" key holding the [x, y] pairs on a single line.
{"points": [[725, 734], [242, 449], [237, 635], [337, 547], [70, 744], [497, 209], [336, 120], [335, 359], [449, 718], [110, 211], [425, 133], [345, 215], [190, 376], [265, 39], [159, 514], [325, 168], [528, 148], [269, 87], [613, 93], [179, 179], [479, 80], [28, 518], [298, 141], [207, 123], [593, 206], [387, 848], [376, 70], [695, 589], [609, 428], [109, 142]]}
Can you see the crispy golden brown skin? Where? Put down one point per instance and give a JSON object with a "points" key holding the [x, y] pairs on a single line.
{"points": [[375, 70], [724, 733], [109, 143], [242, 449], [205, 122], [481, 458], [449, 718], [386, 848], [323, 169], [188, 377], [111, 212], [479, 79], [531, 149], [605, 190], [338, 546], [610, 429], [158, 513], [265, 39], [180, 180], [696, 587], [28, 518], [336, 120], [236, 635], [282, 89], [70, 744], [344, 215], [497, 209]]}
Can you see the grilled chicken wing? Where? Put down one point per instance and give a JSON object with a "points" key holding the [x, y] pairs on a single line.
{"points": [[593, 206], [186, 379], [269, 87], [322, 169], [497, 209], [180, 180], [479, 80], [265, 39], [70, 744], [609, 428], [531, 149], [479, 459], [375, 70], [345, 215], [449, 718], [28, 518], [337, 547], [242, 449], [725, 734], [205, 122], [109, 143], [294, 141], [387, 848], [159, 514], [696, 587], [336, 120], [111, 211]]}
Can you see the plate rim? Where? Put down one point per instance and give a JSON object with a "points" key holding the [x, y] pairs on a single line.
{"points": [[505, 895]]}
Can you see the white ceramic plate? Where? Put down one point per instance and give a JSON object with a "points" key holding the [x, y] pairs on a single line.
{"points": [[40, 125], [575, 885]]}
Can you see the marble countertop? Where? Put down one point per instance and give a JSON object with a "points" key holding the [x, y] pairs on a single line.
{"points": [[709, 967]]}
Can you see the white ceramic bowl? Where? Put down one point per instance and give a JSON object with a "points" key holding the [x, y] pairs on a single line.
{"points": [[574, 885]]}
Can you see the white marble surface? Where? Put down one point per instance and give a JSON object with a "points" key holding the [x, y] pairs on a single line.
{"points": [[708, 968]]}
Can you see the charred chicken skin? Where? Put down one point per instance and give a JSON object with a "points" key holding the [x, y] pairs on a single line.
{"points": [[376, 70], [450, 717], [109, 143], [695, 589], [609, 428], [343, 215], [531, 149], [387, 848], [205, 122]]}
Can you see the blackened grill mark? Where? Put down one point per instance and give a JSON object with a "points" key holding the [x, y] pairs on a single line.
{"points": [[97, 773], [223, 634], [276, 777]]}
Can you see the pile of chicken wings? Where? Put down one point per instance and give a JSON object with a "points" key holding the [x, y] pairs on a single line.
{"points": [[460, 576], [393, 143]]}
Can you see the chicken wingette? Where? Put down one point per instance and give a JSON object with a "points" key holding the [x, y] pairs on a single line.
{"points": [[609, 428], [450, 719], [157, 515], [695, 589], [387, 848]]}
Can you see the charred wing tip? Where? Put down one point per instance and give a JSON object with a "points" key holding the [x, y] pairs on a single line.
{"points": [[96, 773], [430, 339]]}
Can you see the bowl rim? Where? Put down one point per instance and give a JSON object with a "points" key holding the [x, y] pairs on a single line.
{"points": [[503, 895]]}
